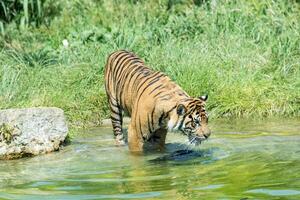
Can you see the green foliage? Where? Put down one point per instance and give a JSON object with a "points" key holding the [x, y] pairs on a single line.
{"points": [[245, 55], [26, 12]]}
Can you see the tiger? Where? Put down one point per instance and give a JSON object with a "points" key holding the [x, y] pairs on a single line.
{"points": [[155, 103]]}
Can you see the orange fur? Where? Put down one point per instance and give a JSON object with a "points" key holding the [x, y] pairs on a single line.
{"points": [[153, 101]]}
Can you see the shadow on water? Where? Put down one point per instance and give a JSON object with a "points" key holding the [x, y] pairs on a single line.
{"points": [[185, 155]]}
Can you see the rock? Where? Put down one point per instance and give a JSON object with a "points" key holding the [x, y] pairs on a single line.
{"points": [[31, 131]]}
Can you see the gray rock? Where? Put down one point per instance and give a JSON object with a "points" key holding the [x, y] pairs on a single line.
{"points": [[31, 131]]}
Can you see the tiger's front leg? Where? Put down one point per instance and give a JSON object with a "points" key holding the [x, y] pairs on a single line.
{"points": [[157, 140], [142, 137], [135, 140]]}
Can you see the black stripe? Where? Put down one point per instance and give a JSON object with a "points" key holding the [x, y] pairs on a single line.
{"points": [[113, 98], [124, 77], [181, 94], [125, 73], [160, 120], [115, 112], [111, 104], [138, 69], [123, 81], [188, 122], [120, 66], [152, 116], [156, 79], [127, 62], [167, 113], [192, 102], [109, 66], [176, 121], [114, 119], [116, 57], [147, 79], [134, 86], [157, 87], [181, 124], [149, 125], [114, 104], [166, 95], [138, 100], [159, 93], [115, 67], [188, 113], [140, 126]]}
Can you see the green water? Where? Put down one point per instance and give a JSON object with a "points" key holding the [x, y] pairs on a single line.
{"points": [[242, 160]]}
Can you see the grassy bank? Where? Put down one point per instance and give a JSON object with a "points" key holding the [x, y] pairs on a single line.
{"points": [[244, 54]]}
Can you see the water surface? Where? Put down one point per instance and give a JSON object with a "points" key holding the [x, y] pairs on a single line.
{"points": [[242, 160]]}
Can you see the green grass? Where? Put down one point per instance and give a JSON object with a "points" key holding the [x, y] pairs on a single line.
{"points": [[244, 54]]}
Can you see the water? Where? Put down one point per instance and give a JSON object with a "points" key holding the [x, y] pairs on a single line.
{"points": [[242, 160]]}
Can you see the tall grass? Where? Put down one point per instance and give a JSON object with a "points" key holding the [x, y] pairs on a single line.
{"points": [[244, 54], [25, 13]]}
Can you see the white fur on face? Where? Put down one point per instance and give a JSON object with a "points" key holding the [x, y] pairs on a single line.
{"points": [[172, 126], [178, 124]]}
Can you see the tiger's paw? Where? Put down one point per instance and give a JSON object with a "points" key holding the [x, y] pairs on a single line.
{"points": [[120, 141]]}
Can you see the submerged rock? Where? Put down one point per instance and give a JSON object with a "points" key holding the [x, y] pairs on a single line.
{"points": [[31, 131]]}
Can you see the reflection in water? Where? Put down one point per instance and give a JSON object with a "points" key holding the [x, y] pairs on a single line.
{"points": [[242, 160], [276, 192]]}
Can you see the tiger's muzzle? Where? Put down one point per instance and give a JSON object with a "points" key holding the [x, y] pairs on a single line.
{"points": [[200, 135]]}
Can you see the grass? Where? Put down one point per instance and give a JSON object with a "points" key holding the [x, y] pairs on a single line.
{"points": [[244, 54]]}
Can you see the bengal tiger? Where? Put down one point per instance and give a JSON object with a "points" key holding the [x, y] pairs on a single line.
{"points": [[154, 102]]}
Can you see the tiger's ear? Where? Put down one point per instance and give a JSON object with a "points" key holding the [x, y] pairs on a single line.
{"points": [[204, 97], [181, 110]]}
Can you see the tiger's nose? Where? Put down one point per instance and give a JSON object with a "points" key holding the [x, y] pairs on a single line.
{"points": [[207, 133]]}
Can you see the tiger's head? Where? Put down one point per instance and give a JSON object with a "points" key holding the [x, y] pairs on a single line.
{"points": [[191, 119]]}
